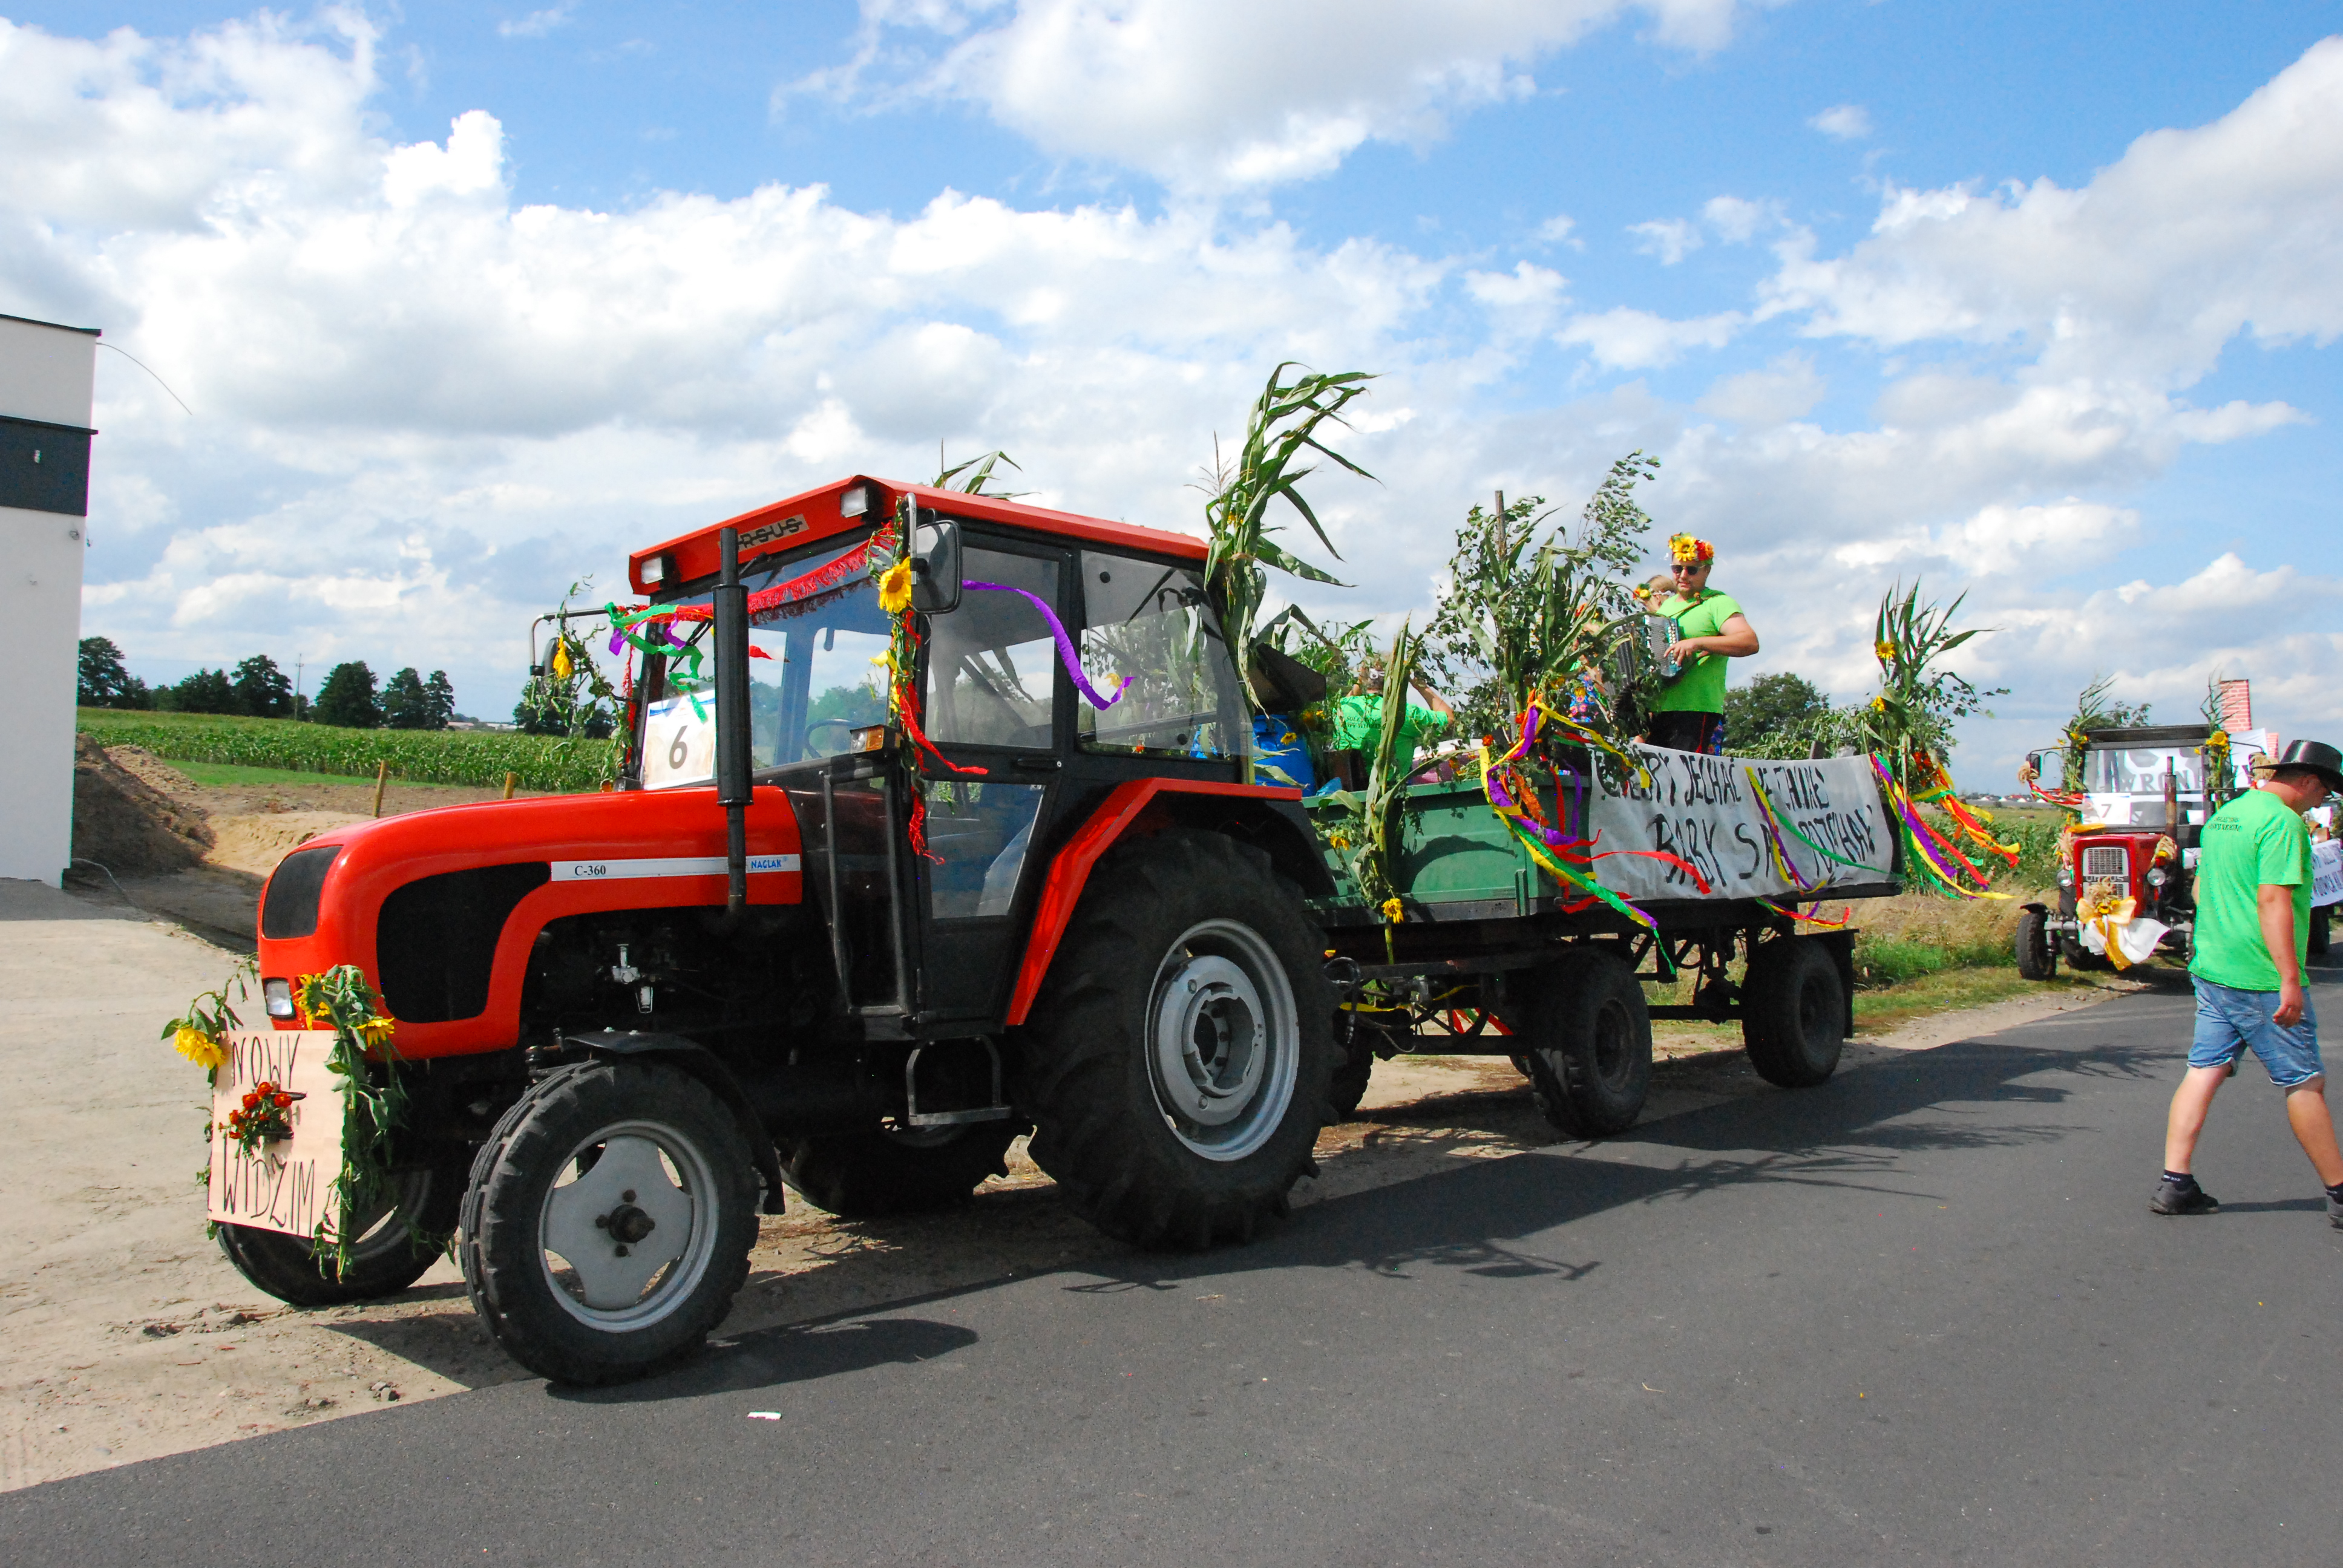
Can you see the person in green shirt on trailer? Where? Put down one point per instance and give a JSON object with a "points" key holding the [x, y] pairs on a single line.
{"points": [[1357, 720], [1689, 711], [2252, 939]]}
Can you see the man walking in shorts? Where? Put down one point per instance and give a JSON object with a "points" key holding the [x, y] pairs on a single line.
{"points": [[2253, 934]]}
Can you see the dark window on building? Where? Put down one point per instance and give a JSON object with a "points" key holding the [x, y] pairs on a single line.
{"points": [[44, 468]]}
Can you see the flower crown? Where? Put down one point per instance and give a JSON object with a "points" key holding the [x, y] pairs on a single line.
{"points": [[1684, 550]]}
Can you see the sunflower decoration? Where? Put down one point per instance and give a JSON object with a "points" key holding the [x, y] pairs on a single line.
{"points": [[1392, 912], [895, 588], [200, 1034], [1684, 550]]}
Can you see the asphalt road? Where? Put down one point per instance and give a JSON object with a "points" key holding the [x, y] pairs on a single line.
{"points": [[1921, 1314]]}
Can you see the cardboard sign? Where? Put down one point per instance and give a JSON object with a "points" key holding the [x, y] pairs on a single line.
{"points": [[286, 1184], [678, 743], [2326, 873], [1702, 810]]}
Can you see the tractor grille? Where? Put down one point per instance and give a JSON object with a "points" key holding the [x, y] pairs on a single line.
{"points": [[2106, 860]]}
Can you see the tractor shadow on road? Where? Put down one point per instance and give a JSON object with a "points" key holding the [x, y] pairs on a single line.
{"points": [[1506, 1220]]}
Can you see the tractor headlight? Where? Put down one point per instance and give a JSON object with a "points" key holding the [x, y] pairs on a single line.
{"points": [[279, 994], [2065, 876], [2156, 879]]}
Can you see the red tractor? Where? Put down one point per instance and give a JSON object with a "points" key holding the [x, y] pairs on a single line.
{"points": [[628, 1021], [2143, 803]]}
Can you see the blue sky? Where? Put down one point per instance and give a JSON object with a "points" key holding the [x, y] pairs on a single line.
{"points": [[1563, 229]]}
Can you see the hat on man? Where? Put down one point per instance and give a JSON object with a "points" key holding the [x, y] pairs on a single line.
{"points": [[2315, 756]]}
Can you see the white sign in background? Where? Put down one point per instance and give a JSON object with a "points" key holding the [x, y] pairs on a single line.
{"points": [[286, 1185], [1703, 811], [2326, 873]]}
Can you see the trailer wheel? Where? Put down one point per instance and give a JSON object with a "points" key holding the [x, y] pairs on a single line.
{"points": [[1793, 1013], [1589, 1033], [1181, 1047], [609, 1222], [868, 1175], [2321, 919], [2037, 959], [1348, 1084], [385, 1259]]}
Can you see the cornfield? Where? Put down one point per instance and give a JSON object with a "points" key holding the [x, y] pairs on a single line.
{"points": [[479, 758]]}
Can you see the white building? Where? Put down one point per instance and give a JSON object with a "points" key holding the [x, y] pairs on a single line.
{"points": [[47, 375]]}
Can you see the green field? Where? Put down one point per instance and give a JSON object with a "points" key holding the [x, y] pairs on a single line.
{"points": [[224, 775], [478, 757]]}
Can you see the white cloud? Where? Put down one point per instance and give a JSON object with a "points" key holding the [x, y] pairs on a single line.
{"points": [[1737, 221], [1844, 122], [2146, 273], [1213, 94], [1627, 339], [1785, 390], [1559, 230], [536, 23], [1669, 239]]}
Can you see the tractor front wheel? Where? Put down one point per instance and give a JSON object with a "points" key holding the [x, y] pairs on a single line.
{"points": [[1180, 1052], [609, 1222], [396, 1240], [2037, 956]]}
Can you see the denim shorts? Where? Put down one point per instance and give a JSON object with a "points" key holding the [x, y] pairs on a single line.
{"points": [[2228, 1020]]}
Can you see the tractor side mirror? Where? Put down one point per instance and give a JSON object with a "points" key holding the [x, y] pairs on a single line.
{"points": [[935, 568]]}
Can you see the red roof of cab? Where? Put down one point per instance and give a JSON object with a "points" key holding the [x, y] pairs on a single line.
{"points": [[694, 555]]}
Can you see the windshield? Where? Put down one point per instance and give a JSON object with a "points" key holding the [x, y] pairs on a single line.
{"points": [[2140, 769], [817, 639]]}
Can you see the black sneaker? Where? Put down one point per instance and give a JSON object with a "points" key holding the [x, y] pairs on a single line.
{"points": [[2335, 1211], [2172, 1198]]}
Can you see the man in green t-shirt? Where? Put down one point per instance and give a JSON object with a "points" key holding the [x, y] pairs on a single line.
{"points": [[1357, 720], [1689, 711], [2252, 939]]}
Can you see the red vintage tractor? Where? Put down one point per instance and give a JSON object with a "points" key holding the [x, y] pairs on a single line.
{"points": [[804, 945], [2142, 802]]}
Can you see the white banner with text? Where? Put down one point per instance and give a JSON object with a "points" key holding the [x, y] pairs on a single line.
{"points": [[1715, 813]]}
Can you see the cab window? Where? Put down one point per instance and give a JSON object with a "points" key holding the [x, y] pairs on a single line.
{"points": [[815, 669], [992, 663], [1148, 624]]}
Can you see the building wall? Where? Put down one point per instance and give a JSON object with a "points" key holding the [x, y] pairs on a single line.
{"points": [[47, 376]]}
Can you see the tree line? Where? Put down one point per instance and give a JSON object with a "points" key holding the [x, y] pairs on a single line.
{"points": [[350, 697]]}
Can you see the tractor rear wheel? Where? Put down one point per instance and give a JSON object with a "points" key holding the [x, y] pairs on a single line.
{"points": [[1588, 1031], [385, 1259], [2037, 958], [868, 1175], [1793, 1013], [608, 1225], [1181, 1049]]}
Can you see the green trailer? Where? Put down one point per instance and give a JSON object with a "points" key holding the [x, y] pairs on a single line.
{"points": [[1494, 955]]}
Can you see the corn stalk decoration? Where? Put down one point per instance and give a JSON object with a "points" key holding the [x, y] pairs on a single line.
{"points": [[2220, 778], [1366, 828], [979, 476], [1908, 729], [1533, 613], [1281, 431]]}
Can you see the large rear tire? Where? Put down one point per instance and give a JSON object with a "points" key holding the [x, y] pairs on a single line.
{"points": [[2037, 958], [1181, 1046], [1793, 1013], [869, 1175], [1588, 1031], [386, 1259], [608, 1225]]}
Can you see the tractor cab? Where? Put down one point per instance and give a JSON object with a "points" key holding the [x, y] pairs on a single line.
{"points": [[1058, 659]]}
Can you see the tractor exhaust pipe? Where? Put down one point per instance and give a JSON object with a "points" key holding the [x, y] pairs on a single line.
{"points": [[732, 757]]}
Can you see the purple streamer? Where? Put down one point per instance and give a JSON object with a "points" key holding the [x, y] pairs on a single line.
{"points": [[1065, 644]]}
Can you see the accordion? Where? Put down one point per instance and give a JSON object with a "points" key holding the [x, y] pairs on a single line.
{"points": [[1659, 631]]}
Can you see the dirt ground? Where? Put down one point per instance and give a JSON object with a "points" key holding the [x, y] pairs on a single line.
{"points": [[124, 1334]]}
